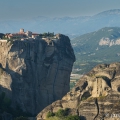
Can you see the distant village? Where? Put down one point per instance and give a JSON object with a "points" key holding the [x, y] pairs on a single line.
{"points": [[22, 35]]}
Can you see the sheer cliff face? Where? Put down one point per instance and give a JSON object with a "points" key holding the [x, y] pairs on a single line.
{"points": [[34, 73], [96, 95]]}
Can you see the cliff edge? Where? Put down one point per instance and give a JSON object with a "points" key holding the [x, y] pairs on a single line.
{"points": [[34, 73]]}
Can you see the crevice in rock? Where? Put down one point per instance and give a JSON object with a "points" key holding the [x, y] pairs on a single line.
{"points": [[54, 81], [96, 103], [118, 89], [114, 74], [108, 81], [85, 95]]}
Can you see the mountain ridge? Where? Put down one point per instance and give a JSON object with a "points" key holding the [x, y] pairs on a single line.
{"points": [[72, 26], [95, 47], [109, 12]]}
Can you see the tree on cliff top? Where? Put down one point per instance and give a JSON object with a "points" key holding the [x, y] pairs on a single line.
{"points": [[1, 35]]}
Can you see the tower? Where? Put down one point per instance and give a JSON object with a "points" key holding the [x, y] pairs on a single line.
{"points": [[21, 30]]}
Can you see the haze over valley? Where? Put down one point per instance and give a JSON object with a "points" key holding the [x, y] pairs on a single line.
{"points": [[71, 26]]}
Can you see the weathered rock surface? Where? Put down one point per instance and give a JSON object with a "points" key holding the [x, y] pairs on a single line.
{"points": [[34, 73], [96, 96]]}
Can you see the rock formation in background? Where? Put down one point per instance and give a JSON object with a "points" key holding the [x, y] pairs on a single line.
{"points": [[96, 96], [34, 73]]}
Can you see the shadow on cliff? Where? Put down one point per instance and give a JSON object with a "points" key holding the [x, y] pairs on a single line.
{"points": [[6, 91], [8, 104], [2, 88], [23, 86]]}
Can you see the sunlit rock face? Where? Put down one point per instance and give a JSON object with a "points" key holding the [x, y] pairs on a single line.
{"points": [[96, 95], [34, 73], [108, 42]]}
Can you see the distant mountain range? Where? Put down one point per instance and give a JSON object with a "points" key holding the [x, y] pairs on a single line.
{"points": [[102, 46], [66, 25]]}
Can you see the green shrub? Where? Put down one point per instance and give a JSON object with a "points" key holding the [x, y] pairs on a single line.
{"points": [[62, 112], [10, 40], [67, 110], [84, 98], [47, 34], [53, 118], [50, 114], [101, 97], [73, 117]]}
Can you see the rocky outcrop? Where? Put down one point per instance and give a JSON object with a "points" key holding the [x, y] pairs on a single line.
{"points": [[108, 42], [96, 96], [34, 73]]}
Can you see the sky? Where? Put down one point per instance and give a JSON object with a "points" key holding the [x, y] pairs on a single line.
{"points": [[21, 9]]}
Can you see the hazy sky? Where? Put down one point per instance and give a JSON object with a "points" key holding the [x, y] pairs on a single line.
{"points": [[54, 8]]}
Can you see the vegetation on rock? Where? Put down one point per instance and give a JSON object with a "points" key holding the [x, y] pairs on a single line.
{"points": [[62, 114], [47, 34], [50, 114], [1, 35]]}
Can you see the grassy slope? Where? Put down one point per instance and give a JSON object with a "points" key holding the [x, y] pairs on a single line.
{"points": [[85, 49]]}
